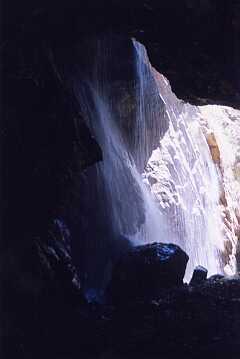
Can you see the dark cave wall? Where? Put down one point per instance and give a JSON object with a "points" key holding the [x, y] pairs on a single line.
{"points": [[195, 44], [44, 144], [44, 140]]}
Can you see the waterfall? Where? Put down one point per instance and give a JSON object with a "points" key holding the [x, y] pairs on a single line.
{"points": [[157, 181], [127, 213], [184, 179]]}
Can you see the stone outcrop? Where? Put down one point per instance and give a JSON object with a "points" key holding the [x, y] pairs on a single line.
{"points": [[214, 149], [146, 270], [199, 275]]}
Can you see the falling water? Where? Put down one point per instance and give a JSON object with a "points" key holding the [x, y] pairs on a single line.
{"points": [[157, 180], [183, 177], [131, 210], [127, 212]]}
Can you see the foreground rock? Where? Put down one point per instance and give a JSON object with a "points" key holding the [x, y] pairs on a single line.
{"points": [[199, 275], [145, 270], [192, 322]]}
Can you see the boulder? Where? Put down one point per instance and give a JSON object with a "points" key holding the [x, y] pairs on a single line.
{"points": [[199, 275], [216, 278], [146, 270]]}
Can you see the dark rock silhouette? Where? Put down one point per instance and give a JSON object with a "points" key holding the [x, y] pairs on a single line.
{"points": [[199, 275], [146, 270]]}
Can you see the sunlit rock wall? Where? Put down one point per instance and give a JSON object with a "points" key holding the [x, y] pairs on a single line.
{"points": [[221, 126]]}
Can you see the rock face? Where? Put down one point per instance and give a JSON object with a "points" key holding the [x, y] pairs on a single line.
{"points": [[214, 149], [55, 261], [44, 139], [199, 275], [203, 68], [45, 143], [146, 270]]}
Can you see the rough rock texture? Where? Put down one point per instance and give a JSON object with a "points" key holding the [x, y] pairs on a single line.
{"points": [[37, 281], [145, 270], [199, 275], [214, 149], [191, 322]]}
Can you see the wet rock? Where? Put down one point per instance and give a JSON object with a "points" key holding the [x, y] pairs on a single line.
{"points": [[146, 270], [199, 275], [53, 258], [213, 147], [215, 278]]}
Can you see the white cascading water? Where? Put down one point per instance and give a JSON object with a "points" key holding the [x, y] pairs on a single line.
{"points": [[126, 209], [222, 125], [185, 181], [131, 209], [164, 186]]}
